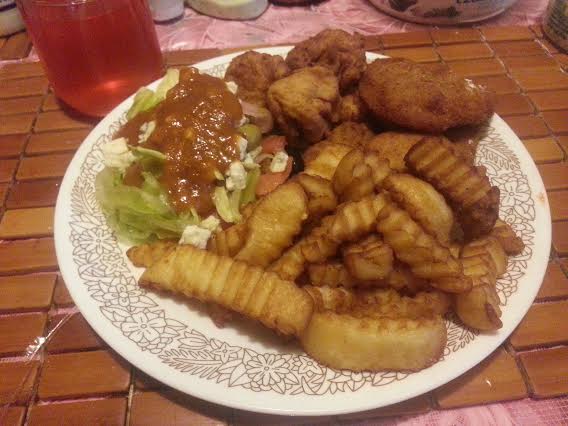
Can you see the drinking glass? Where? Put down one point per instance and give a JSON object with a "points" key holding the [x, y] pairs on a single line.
{"points": [[95, 52]]}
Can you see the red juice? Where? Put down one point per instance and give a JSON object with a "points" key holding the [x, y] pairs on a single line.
{"points": [[95, 52]]}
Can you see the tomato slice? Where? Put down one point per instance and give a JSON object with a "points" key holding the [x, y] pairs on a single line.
{"points": [[273, 144], [268, 182]]}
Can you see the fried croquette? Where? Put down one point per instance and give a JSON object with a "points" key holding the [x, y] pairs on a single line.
{"points": [[341, 52], [410, 95]]}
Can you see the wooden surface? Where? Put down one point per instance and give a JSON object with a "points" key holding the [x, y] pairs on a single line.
{"points": [[16, 46], [37, 141]]}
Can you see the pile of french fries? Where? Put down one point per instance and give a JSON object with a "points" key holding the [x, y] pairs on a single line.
{"points": [[356, 260]]}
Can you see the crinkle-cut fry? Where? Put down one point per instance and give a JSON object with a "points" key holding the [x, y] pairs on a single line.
{"points": [[330, 274], [146, 254], [290, 265], [490, 246], [483, 261], [369, 259], [358, 174], [344, 174], [238, 286], [228, 241], [336, 299], [322, 158], [380, 168], [479, 308], [343, 341], [401, 278], [510, 242], [318, 247], [314, 247], [423, 203], [422, 252], [465, 186], [389, 303], [274, 222], [351, 221], [321, 198], [354, 219]]}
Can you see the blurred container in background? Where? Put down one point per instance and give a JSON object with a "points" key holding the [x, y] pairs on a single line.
{"points": [[166, 10], [10, 19], [443, 12]]}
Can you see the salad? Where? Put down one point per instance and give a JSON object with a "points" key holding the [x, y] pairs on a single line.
{"points": [[186, 162]]}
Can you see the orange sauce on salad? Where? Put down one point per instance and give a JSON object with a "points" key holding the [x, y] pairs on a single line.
{"points": [[196, 130]]}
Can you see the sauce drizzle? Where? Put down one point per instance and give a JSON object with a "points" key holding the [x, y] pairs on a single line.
{"points": [[195, 129]]}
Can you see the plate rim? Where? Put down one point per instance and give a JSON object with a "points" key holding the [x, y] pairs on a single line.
{"points": [[117, 342]]}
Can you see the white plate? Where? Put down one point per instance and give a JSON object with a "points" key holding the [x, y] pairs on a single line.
{"points": [[242, 365]]}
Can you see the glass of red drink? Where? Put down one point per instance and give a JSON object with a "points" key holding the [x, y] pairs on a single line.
{"points": [[95, 52]]}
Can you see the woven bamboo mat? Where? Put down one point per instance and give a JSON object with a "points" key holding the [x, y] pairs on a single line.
{"points": [[37, 141]]}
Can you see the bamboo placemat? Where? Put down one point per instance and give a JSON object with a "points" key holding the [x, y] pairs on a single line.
{"points": [[79, 380]]}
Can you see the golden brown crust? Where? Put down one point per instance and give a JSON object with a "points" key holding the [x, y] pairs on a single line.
{"points": [[343, 341], [321, 198], [511, 243], [466, 187], [242, 288], [330, 274], [424, 204], [427, 258], [267, 235], [484, 260], [351, 133], [146, 254], [410, 95], [303, 104], [254, 72], [323, 158], [393, 146], [358, 174], [369, 259], [341, 52], [229, 241]]}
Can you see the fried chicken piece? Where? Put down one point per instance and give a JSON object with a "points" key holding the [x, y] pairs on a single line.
{"points": [[303, 104], [341, 52], [351, 133], [254, 72], [351, 108], [401, 92]]}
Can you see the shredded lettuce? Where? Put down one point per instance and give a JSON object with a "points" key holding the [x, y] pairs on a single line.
{"points": [[228, 204], [225, 205], [146, 99], [150, 159], [136, 214], [143, 101]]}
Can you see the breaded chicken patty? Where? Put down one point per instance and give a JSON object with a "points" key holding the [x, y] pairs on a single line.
{"points": [[416, 97]]}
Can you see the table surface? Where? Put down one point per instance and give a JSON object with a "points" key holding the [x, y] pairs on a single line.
{"points": [[284, 24], [78, 379]]}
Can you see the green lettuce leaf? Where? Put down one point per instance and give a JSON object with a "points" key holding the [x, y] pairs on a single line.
{"points": [[138, 215]]}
